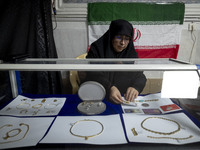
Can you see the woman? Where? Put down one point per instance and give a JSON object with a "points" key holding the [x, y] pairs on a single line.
{"points": [[117, 43]]}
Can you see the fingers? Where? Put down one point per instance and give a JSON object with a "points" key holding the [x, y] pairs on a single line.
{"points": [[116, 99], [115, 95], [131, 94]]}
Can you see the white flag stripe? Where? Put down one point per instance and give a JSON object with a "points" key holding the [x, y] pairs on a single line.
{"points": [[151, 35]]}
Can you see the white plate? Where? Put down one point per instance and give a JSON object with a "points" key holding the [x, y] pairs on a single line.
{"points": [[91, 91]]}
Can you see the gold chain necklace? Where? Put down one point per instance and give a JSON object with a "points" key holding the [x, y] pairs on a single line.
{"points": [[172, 138], [163, 133], [86, 137]]}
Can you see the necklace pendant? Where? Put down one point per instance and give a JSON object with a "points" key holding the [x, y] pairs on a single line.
{"points": [[86, 137]]}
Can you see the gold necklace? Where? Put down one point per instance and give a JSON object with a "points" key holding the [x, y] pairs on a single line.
{"points": [[17, 129], [172, 138], [86, 137], [163, 133]]}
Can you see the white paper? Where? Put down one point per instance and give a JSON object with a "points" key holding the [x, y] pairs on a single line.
{"points": [[152, 105], [180, 84], [113, 132], [22, 132], [188, 129], [24, 106]]}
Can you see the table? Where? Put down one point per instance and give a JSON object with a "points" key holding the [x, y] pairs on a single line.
{"points": [[70, 109]]}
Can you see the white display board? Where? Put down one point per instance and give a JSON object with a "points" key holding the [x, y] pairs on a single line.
{"points": [[180, 84], [24, 106], [170, 128], [22, 132], [86, 129]]}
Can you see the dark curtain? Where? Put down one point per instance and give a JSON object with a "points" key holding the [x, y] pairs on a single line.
{"points": [[26, 28]]}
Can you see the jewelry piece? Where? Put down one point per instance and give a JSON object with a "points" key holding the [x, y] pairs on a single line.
{"points": [[43, 100], [163, 133], [32, 100], [23, 110], [55, 100], [134, 132], [126, 102], [48, 106], [145, 105], [150, 100], [21, 106], [86, 137], [35, 112], [11, 136], [23, 99], [37, 106], [172, 138], [19, 131]]}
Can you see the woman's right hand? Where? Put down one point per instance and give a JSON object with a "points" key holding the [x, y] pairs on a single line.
{"points": [[115, 95]]}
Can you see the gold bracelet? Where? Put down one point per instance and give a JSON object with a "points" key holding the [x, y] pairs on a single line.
{"points": [[54, 106], [86, 137], [150, 100], [163, 133], [24, 103], [172, 138], [11, 136], [23, 110], [37, 106]]}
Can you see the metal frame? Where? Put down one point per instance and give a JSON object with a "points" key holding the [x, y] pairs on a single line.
{"points": [[84, 65]]}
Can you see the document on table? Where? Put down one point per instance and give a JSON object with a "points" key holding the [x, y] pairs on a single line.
{"points": [[151, 104], [22, 132], [169, 128], [25, 106], [86, 129]]}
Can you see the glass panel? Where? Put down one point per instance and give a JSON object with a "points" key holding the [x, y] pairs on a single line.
{"points": [[99, 61]]}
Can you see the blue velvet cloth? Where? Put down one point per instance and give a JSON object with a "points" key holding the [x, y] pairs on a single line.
{"points": [[72, 101]]}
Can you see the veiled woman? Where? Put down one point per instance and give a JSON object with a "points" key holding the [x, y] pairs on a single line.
{"points": [[117, 43]]}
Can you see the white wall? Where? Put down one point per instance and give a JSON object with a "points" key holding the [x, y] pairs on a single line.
{"points": [[70, 39], [190, 45]]}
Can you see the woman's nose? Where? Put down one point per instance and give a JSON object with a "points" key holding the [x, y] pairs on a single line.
{"points": [[122, 41]]}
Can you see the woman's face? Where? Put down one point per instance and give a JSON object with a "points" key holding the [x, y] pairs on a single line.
{"points": [[120, 42]]}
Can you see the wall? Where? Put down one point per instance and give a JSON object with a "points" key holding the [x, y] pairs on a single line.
{"points": [[71, 40]]}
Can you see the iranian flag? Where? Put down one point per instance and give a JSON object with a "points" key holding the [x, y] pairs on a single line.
{"points": [[157, 27]]}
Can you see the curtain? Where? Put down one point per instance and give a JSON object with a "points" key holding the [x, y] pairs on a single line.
{"points": [[26, 28]]}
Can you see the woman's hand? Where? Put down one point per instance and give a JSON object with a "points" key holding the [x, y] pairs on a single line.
{"points": [[131, 94], [115, 95]]}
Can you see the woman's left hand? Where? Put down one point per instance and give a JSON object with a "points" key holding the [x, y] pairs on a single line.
{"points": [[131, 94]]}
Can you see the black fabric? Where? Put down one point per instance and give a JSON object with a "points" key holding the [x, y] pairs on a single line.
{"points": [[26, 28], [102, 48]]}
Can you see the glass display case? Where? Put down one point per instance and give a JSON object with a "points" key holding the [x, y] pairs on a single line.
{"points": [[169, 112]]}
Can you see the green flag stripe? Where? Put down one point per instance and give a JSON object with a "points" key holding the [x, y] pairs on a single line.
{"points": [[137, 13]]}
